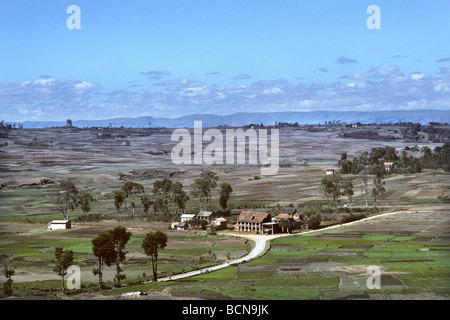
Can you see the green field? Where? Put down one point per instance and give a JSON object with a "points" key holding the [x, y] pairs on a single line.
{"points": [[322, 269]]}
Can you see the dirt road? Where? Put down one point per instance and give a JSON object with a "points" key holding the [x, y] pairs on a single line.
{"points": [[260, 242]]}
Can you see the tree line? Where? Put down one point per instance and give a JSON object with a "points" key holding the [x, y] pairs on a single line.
{"points": [[408, 162], [109, 249], [164, 194]]}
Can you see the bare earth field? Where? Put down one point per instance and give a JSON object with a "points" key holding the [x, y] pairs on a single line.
{"points": [[97, 165], [35, 160]]}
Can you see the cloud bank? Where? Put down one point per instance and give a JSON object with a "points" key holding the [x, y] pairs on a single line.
{"points": [[383, 87]]}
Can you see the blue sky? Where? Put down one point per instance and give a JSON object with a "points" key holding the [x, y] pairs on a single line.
{"points": [[171, 58]]}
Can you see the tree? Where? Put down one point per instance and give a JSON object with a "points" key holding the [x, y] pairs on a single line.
{"points": [[68, 198], [363, 174], [331, 187], [131, 189], [119, 239], [378, 188], [348, 189], [69, 123], [313, 221], [225, 191], [64, 259], [179, 196], [162, 190], [200, 189], [160, 205], [85, 201], [119, 199], [103, 249], [287, 225], [146, 202], [198, 223], [153, 241], [212, 230], [211, 178], [7, 285]]}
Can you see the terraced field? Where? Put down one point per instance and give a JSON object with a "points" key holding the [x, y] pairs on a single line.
{"points": [[412, 251]]}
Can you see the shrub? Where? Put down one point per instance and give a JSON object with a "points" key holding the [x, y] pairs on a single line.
{"points": [[313, 221], [352, 217], [89, 218]]}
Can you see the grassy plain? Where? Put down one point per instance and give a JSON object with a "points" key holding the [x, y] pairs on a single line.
{"points": [[30, 170]]}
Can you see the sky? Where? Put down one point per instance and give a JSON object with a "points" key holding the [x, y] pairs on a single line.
{"points": [[172, 58]]}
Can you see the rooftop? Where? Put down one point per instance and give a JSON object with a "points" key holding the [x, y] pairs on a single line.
{"points": [[251, 216], [204, 214]]}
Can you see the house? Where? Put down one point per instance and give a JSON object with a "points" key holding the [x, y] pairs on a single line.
{"points": [[388, 166], [220, 223], [330, 171], [186, 217], [281, 217], [297, 216], [288, 210], [59, 224], [271, 227], [204, 215], [181, 226], [250, 221]]}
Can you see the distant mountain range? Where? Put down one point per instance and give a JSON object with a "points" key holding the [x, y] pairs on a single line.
{"points": [[240, 119]]}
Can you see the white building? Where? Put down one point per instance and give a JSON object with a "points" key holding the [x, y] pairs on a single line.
{"points": [[59, 224], [186, 217], [220, 223]]}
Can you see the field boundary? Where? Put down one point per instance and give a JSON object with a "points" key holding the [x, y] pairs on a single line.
{"points": [[262, 244]]}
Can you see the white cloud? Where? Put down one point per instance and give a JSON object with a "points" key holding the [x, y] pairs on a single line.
{"points": [[381, 87], [417, 76]]}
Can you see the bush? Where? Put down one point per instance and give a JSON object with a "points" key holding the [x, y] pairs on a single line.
{"points": [[313, 221], [225, 213], [89, 218], [352, 217]]}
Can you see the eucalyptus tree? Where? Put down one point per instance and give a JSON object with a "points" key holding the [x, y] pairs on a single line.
{"points": [[68, 198], [225, 191], [179, 196], [162, 190], [103, 249], [119, 238], [64, 259], [154, 241], [131, 190]]}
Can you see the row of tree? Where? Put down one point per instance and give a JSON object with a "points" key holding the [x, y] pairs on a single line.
{"points": [[365, 165], [165, 192], [335, 186], [203, 187], [109, 249], [69, 197], [438, 158]]}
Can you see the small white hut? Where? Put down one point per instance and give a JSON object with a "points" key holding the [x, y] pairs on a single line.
{"points": [[59, 224]]}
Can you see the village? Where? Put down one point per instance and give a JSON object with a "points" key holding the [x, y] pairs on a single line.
{"points": [[287, 220]]}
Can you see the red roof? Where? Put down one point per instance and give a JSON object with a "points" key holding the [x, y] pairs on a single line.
{"points": [[255, 217]]}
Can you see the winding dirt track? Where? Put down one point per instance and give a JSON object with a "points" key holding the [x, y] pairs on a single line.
{"points": [[261, 245]]}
